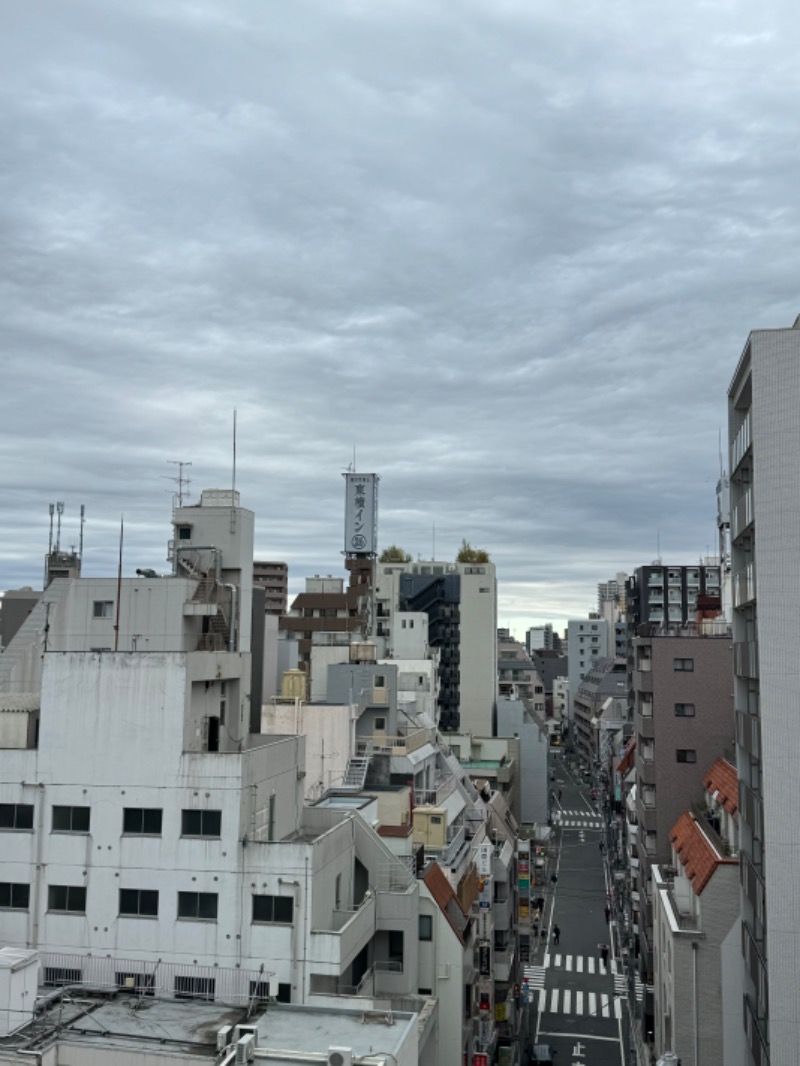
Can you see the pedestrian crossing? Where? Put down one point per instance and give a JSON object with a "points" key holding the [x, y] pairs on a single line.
{"points": [[535, 976], [569, 819], [576, 1001], [578, 963], [621, 986]]}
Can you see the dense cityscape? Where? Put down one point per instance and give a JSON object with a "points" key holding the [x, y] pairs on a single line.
{"points": [[371, 826]]}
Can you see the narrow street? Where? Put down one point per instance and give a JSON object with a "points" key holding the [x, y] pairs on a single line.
{"points": [[577, 998]]}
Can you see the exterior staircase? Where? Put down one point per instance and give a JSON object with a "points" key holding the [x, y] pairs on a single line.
{"points": [[355, 776], [218, 635]]}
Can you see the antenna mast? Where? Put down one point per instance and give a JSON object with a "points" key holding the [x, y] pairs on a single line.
{"points": [[83, 523], [181, 481], [59, 512]]}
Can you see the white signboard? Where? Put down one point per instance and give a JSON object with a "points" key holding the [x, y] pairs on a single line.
{"points": [[484, 860], [361, 514]]}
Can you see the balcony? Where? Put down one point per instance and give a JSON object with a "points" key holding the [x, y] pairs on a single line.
{"points": [[645, 726], [744, 586], [333, 950], [504, 964], [745, 658], [741, 444]]}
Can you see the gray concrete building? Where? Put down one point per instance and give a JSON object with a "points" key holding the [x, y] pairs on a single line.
{"points": [[15, 606], [683, 718], [764, 439]]}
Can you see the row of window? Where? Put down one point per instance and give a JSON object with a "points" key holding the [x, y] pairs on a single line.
{"points": [[136, 821], [144, 984], [143, 903]]}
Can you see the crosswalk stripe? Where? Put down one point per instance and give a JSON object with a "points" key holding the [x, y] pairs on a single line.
{"points": [[553, 1000], [567, 1001], [580, 964], [592, 1005], [617, 1009], [578, 1002]]}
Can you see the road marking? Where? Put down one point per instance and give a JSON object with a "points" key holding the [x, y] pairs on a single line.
{"points": [[580, 964], [578, 1003], [567, 1001]]}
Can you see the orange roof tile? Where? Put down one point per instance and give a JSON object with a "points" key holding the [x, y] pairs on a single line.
{"points": [[722, 779], [446, 899], [626, 762], [697, 854]]}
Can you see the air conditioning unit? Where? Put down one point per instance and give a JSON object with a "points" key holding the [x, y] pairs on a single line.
{"points": [[340, 1056], [246, 1030], [224, 1037], [246, 1049]]}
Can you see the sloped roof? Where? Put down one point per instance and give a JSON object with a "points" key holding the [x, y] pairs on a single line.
{"points": [[442, 892], [697, 854], [722, 779], [626, 761], [20, 701]]}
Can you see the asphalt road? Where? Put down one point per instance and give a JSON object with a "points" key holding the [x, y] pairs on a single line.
{"points": [[577, 1006]]}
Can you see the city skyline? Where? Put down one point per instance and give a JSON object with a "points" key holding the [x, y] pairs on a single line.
{"points": [[508, 255]]}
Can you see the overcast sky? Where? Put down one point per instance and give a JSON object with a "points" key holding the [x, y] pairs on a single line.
{"points": [[508, 250]]}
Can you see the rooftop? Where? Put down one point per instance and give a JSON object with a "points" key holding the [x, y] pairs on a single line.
{"points": [[696, 852], [723, 780]]}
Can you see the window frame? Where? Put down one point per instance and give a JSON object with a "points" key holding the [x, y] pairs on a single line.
{"points": [[683, 713], [73, 817], [150, 894], [102, 609], [686, 752], [14, 888], [270, 908], [187, 813], [427, 921], [70, 892], [143, 811], [15, 809], [199, 897], [683, 668]]}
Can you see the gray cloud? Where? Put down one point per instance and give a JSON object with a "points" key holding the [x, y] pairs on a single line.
{"points": [[510, 252]]}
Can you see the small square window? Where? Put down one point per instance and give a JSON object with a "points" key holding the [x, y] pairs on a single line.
{"points": [[142, 821], [71, 819], [184, 532], [196, 823], [380, 725], [684, 710], [138, 902], [103, 609], [16, 816], [202, 906], [68, 898], [278, 909], [14, 895], [380, 681], [683, 665]]}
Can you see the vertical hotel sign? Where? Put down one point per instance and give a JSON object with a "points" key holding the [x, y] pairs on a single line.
{"points": [[361, 514]]}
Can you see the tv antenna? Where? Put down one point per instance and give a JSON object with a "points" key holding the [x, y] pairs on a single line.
{"points": [[181, 480]]}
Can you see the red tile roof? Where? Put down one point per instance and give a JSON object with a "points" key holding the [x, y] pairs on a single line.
{"points": [[722, 779], [697, 854], [626, 762], [442, 892]]}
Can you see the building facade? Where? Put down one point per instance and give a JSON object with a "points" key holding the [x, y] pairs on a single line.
{"points": [[764, 441]]}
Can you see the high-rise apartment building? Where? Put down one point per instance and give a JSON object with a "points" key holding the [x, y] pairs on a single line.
{"points": [[764, 438], [273, 578]]}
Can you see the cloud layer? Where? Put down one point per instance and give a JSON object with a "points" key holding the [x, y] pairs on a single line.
{"points": [[509, 252]]}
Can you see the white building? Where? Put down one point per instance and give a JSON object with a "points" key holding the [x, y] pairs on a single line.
{"points": [[460, 603], [588, 639]]}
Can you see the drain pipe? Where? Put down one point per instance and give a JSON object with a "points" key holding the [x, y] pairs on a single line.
{"points": [[694, 1005], [234, 605]]}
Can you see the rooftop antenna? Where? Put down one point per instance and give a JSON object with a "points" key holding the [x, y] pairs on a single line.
{"points": [[434, 541], [59, 512], [181, 481], [233, 478], [119, 582], [83, 522], [50, 544], [658, 546]]}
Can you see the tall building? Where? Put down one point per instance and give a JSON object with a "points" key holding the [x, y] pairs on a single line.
{"points": [[460, 600], [273, 578], [539, 638], [764, 439], [588, 639], [611, 598], [668, 594]]}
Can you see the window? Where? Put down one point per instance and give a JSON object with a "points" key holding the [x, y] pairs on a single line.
{"points": [[396, 945], [140, 984], [380, 725], [69, 898], [16, 816], [201, 823], [686, 755], [142, 821], [195, 988], [202, 906], [138, 902], [683, 665], [57, 976], [273, 909], [425, 927], [103, 609], [380, 681], [70, 819], [14, 895], [684, 710], [184, 532]]}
